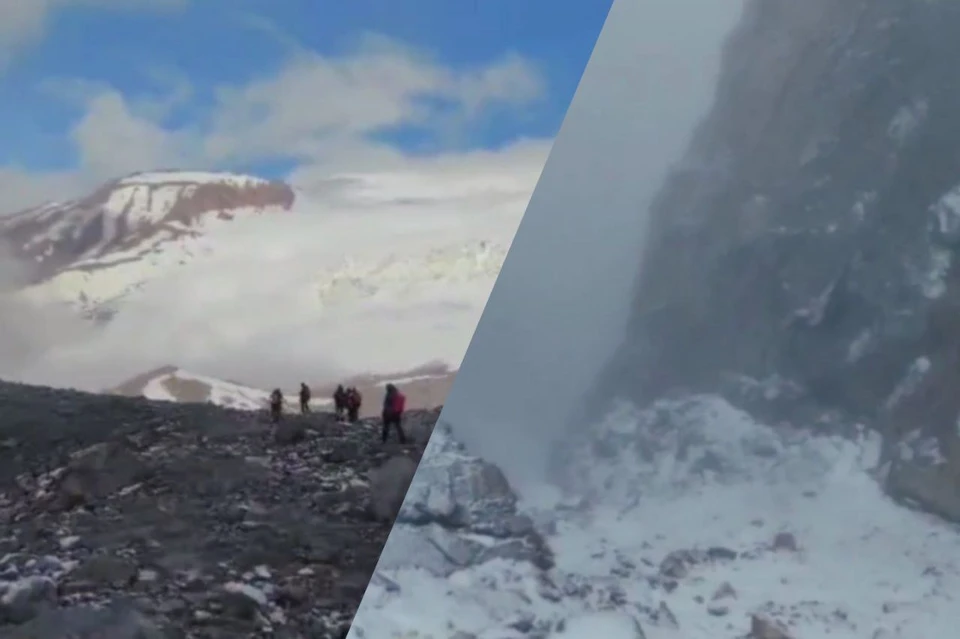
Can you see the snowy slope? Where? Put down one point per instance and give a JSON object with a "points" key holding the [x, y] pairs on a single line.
{"points": [[170, 384], [724, 524], [157, 217]]}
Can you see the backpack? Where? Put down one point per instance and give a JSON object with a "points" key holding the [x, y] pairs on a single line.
{"points": [[399, 403]]}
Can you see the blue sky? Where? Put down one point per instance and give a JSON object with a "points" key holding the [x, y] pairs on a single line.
{"points": [[183, 55]]}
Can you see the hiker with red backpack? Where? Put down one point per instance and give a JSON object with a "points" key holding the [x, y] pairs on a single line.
{"points": [[394, 403]]}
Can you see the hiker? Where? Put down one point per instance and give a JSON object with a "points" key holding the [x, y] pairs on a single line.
{"points": [[304, 398], [276, 405], [394, 403], [340, 401], [354, 401]]}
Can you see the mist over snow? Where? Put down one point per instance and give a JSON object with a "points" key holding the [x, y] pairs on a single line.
{"points": [[385, 272], [560, 306]]}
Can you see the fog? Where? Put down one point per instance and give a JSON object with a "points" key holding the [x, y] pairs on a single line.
{"points": [[251, 311], [560, 304], [30, 332]]}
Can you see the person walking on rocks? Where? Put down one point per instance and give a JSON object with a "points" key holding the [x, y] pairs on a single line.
{"points": [[276, 405], [354, 401], [340, 401], [304, 399], [394, 403]]}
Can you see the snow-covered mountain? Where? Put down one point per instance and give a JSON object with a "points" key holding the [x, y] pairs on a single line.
{"points": [[235, 263], [144, 217], [688, 519], [93, 251]]}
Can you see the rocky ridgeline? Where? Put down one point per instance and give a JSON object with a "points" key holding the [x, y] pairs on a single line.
{"points": [[126, 518]]}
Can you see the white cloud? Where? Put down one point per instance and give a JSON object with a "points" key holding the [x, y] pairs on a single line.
{"points": [[315, 100], [322, 111], [112, 140], [477, 177], [23, 22]]}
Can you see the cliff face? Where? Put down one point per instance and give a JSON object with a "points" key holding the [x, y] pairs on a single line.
{"points": [[811, 234]]}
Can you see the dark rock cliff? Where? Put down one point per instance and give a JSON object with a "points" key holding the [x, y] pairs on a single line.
{"points": [[811, 234]]}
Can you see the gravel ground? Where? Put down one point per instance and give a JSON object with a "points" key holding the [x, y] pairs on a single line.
{"points": [[126, 518]]}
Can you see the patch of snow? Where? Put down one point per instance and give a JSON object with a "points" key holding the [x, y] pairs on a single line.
{"points": [[946, 211], [859, 346], [907, 120], [155, 389], [860, 206], [251, 592], [190, 177], [934, 281], [917, 448], [408, 380], [221, 393], [911, 380], [813, 313]]}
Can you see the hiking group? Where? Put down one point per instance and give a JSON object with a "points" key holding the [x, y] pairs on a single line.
{"points": [[347, 402]]}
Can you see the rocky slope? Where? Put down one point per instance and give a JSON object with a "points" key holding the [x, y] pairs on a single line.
{"points": [[132, 518], [810, 242]]}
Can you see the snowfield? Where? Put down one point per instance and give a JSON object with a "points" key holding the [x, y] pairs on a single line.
{"points": [[695, 522]]}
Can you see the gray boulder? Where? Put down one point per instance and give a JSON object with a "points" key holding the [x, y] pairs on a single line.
{"points": [[460, 511]]}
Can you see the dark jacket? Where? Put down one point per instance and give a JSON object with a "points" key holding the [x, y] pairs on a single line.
{"points": [[393, 401]]}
